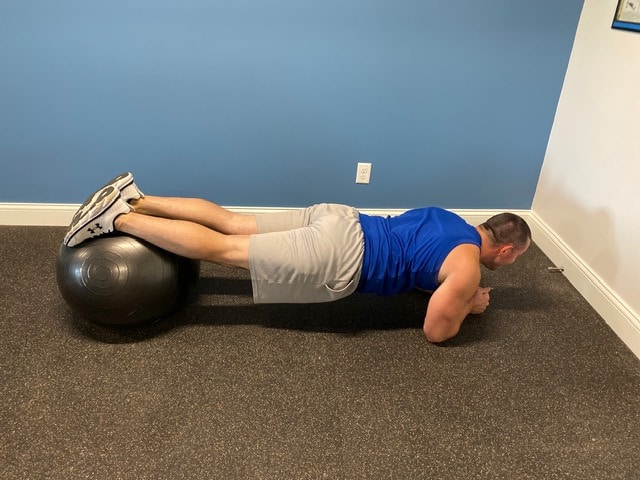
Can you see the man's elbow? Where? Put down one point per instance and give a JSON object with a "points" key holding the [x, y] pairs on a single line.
{"points": [[438, 335]]}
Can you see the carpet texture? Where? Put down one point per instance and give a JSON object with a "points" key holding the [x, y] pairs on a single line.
{"points": [[538, 387]]}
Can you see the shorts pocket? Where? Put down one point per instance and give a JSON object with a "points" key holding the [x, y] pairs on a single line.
{"points": [[339, 287]]}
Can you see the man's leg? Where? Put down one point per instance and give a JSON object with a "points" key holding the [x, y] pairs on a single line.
{"points": [[186, 238], [195, 210], [106, 211]]}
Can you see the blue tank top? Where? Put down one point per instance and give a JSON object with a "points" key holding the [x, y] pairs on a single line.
{"points": [[406, 252]]}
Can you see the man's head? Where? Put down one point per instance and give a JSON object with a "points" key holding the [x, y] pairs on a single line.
{"points": [[505, 237]]}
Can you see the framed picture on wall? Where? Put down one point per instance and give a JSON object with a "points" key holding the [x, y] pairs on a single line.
{"points": [[627, 15]]}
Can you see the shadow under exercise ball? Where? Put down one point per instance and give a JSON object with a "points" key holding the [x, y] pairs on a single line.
{"points": [[121, 280]]}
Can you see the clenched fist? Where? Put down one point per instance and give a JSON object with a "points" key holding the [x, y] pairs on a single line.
{"points": [[480, 300]]}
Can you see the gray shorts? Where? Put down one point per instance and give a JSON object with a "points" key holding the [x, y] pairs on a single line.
{"points": [[306, 256]]}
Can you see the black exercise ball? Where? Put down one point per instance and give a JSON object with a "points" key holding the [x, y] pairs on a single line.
{"points": [[121, 280]]}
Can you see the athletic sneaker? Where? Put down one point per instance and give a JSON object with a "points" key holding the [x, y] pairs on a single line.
{"points": [[128, 189], [123, 182], [97, 217]]}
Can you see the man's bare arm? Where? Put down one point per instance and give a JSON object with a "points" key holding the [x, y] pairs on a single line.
{"points": [[457, 296]]}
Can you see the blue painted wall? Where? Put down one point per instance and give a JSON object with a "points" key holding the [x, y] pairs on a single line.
{"points": [[273, 102]]}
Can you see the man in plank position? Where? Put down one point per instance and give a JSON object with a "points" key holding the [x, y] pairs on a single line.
{"points": [[321, 253]]}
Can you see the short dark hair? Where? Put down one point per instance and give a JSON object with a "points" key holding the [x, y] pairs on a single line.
{"points": [[508, 228]]}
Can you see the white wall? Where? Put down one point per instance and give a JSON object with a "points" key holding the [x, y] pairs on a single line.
{"points": [[588, 194]]}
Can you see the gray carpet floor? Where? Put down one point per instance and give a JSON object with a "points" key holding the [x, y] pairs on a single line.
{"points": [[538, 387]]}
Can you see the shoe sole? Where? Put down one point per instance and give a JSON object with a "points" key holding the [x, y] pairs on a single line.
{"points": [[119, 182], [97, 196]]}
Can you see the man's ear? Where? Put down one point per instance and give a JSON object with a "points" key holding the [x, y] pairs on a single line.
{"points": [[505, 249]]}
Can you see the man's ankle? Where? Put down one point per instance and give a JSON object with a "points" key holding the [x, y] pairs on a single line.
{"points": [[119, 220]]}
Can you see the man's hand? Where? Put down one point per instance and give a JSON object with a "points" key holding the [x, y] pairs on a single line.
{"points": [[480, 300]]}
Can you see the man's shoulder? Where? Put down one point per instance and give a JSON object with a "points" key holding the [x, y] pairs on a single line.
{"points": [[464, 254], [462, 261]]}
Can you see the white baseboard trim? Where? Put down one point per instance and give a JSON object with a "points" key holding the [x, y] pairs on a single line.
{"points": [[59, 214], [36, 214], [616, 313]]}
